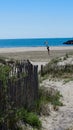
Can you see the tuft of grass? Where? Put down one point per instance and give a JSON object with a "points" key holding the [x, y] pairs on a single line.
{"points": [[55, 99], [66, 56], [43, 78], [29, 118], [33, 120], [68, 80], [47, 96]]}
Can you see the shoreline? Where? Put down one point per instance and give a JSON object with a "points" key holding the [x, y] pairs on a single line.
{"points": [[26, 49]]}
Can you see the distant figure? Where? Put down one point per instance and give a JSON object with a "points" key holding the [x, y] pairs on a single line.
{"points": [[47, 47]]}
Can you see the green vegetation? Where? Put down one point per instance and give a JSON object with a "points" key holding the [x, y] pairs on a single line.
{"points": [[52, 69], [66, 56], [68, 80], [4, 71], [47, 96], [29, 117], [10, 117], [55, 99]]}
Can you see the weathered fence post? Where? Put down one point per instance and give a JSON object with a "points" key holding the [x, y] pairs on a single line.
{"points": [[35, 82], [41, 70], [1, 96]]}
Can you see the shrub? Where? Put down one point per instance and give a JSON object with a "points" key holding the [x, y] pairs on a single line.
{"points": [[29, 117], [55, 70], [33, 120], [55, 99], [47, 96]]}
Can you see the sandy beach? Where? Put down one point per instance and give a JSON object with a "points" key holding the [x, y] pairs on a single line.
{"points": [[25, 49], [36, 54]]}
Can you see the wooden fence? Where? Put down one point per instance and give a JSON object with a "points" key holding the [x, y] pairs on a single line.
{"points": [[22, 85]]}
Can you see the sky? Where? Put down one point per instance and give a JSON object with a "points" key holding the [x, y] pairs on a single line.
{"points": [[36, 18]]}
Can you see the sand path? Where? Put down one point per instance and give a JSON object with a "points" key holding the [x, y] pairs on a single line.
{"points": [[62, 119]]}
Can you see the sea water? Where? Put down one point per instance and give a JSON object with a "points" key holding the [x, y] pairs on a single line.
{"points": [[34, 42]]}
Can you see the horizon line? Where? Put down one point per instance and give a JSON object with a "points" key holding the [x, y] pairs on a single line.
{"points": [[34, 38]]}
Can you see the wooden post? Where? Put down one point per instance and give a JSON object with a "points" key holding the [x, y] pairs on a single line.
{"points": [[41, 70], [36, 82]]}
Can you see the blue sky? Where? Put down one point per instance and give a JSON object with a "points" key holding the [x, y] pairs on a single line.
{"points": [[36, 18]]}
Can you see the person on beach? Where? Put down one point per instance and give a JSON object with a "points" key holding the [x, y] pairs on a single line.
{"points": [[47, 47]]}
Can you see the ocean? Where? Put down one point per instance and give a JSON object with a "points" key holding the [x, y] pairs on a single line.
{"points": [[35, 42]]}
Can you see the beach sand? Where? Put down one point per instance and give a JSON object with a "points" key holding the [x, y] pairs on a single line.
{"points": [[63, 118], [35, 54]]}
